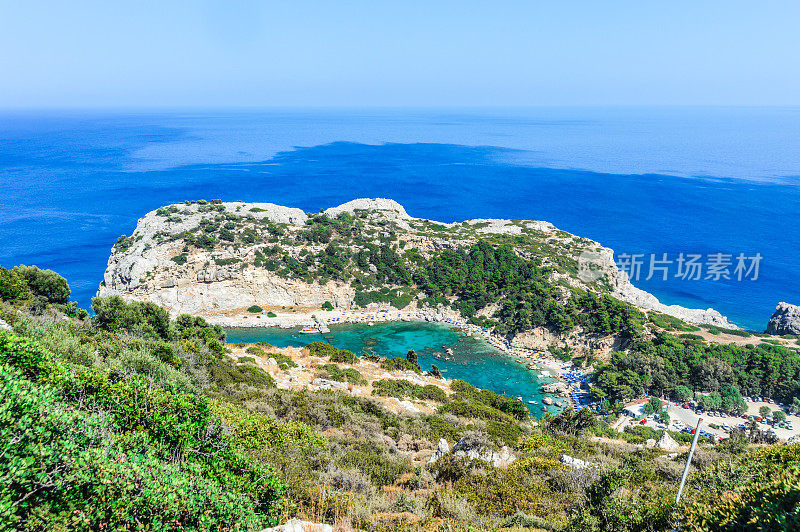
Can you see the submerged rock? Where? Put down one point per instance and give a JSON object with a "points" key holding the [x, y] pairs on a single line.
{"points": [[785, 320]]}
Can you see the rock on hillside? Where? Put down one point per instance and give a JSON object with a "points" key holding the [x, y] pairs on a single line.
{"points": [[297, 525], [785, 320]]}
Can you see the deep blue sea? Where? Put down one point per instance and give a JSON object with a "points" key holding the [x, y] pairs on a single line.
{"points": [[689, 180]]}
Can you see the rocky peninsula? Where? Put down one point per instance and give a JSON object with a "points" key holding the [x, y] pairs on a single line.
{"points": [[260, 264]]}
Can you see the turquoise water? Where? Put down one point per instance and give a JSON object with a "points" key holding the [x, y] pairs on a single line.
{"points": [[473, 360]]}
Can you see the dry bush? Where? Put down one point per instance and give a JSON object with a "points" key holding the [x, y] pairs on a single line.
{"points": [[347, 480], [669, 469], [472, 440]]}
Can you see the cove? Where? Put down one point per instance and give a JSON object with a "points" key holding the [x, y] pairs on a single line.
{"points": [[472, 360]]}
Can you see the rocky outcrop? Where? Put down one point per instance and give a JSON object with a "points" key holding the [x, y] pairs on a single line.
{"points": [[326, 384], [389, 208], [5, 326], [574, 463], [666, 443], [785, 320], [157, 263], [598, 262], [467, 447], [442, 449], [297, 525]]}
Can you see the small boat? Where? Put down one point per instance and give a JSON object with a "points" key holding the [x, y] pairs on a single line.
{"points": [[308, 329], [371, 324], [533, 402]]}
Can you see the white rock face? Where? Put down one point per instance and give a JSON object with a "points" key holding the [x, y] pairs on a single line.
{"points": [[602, 260], [785, 320], [325, 384], [393, 210], [575, 463], [296, 525], [508, 227], [666, 443], [5, 326]]}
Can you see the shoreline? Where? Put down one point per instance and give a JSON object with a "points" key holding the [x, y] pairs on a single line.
{"points": [[546, 367]]}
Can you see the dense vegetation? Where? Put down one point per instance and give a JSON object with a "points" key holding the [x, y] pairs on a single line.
{"points": [[676, 367], [105, 424], [485, 274]]}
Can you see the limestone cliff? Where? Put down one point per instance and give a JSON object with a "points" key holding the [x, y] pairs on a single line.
{"points": [[215, 258], [785, 320]]}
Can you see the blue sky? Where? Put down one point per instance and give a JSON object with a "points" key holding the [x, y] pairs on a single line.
{"points": [[397, 53]]}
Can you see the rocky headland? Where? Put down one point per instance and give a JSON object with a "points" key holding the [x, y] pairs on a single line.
{"points": [[261, 264]]}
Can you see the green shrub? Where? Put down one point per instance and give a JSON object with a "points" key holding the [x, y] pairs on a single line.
{"points": [[255, 309], [475, 411], [180, 259], [13, 286], [508, 405], [343, 356], [327, 306], [74, 448], [225, 373], [281, 359], [334, 354], [438, 427], [271, 314], [321, 349], [399, 364], [114, 314], [23, 355], [335, 373], [45, 284], [506, 433], [504, 493], [381, 468], [123, 244], [452, 468]]}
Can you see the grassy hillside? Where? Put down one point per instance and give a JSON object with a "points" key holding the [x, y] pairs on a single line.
{"points": [[131, 420]]}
